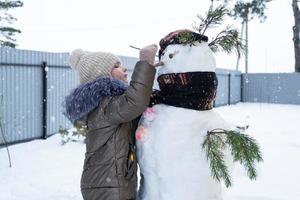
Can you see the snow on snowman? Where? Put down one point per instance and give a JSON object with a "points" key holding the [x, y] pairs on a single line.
{"points": [[182, 143]]}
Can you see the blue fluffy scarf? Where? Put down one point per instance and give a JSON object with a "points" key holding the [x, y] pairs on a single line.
{"points": [[86, 97]]}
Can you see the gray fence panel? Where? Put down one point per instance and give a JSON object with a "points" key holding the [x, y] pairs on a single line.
{"points": [[21, 88], [235, 87], [60, 82], [281, 88], [128, 62], [222, 91], [21, 107], [229, 87]]}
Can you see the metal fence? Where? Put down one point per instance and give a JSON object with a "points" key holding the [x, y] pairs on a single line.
{"points": [[283, 88], [229, 87], [33, 85]]}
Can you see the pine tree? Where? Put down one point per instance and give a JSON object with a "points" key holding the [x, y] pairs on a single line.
{"points": [[7, 32], [248, 11]]}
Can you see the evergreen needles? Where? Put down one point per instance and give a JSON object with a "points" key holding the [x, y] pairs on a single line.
{"points": [[7, 32], [228, 39], [213, 18], [77, 134], [244, 149], [186, 38]]}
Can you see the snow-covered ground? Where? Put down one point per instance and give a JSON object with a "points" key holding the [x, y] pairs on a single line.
{"points": [[46, 170]]}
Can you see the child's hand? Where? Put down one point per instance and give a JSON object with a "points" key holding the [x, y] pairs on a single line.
{"points": [[147, 53]]}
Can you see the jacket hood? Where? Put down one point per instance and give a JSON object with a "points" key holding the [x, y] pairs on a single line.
{"points": [[86, 97]]}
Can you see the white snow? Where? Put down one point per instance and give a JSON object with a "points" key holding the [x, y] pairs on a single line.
{"points": [[174, 135], [46, 170], [178, 58], [276, 128], [42, 170]]}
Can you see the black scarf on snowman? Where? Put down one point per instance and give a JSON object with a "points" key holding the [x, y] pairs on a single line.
{"points": [[192, 90]]}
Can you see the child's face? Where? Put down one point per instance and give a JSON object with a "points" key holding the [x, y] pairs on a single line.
{"points": [[119, 72]]}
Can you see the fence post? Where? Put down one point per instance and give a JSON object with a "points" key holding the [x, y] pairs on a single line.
{"points": [[44, 93], [229, 88], [242, 88]]}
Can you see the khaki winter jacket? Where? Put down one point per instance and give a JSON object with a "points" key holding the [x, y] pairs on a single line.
{"points": [[109, 171]]}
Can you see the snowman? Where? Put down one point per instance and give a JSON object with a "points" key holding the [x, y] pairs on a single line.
{"points": [[169, 138]]}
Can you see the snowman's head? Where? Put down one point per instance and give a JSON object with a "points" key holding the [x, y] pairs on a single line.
{"points": [[180, 55]]}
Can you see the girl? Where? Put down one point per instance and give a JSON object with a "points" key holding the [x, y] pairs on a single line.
{"points": [[110, 109]]}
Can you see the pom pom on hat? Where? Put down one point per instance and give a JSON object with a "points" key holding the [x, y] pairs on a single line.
{"points": [[75, 57]]}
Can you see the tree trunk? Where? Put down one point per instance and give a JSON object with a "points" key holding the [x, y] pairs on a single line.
{"points": [[247, 50], [296, 37], [238, 52]]}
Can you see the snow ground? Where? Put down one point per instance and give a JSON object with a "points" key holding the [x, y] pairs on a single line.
{"points": [[46, 170]]}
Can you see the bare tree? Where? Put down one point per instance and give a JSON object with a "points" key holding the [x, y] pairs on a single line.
{"points": [[296, 36], [2, 130], [248, 11]]}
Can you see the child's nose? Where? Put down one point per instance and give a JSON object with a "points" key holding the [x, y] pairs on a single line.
{"points": [[125, 69]]}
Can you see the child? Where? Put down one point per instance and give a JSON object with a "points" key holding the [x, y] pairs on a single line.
{"points": [[110, 109]]}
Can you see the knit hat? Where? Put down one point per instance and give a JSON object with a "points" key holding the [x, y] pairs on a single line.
{"points": [[91, 65]]}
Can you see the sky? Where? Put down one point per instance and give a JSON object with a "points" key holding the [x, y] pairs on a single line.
{"points": [[93, 25]]}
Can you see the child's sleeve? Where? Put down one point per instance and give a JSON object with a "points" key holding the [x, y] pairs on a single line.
{"points": [[135, 100]]}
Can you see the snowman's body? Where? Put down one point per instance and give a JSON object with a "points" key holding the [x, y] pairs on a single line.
{"points": [[169, 139]]}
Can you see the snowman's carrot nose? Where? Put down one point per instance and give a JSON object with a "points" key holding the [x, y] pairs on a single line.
{"points": [[159, 64], [138, 48]]}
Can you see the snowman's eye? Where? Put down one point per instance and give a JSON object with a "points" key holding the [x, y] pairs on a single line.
{"points": [[171, 55]]}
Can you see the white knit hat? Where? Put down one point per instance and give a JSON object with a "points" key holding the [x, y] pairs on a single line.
{"points": [[92, 65]]}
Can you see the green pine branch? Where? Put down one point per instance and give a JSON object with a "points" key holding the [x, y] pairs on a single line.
{"points": [[226, 40], [186, 38], [10, 4], [213, 146], [7, 44], [244, 150], [213, 18], [7, 34], [9, 30], [70, 136], [8, 18]]}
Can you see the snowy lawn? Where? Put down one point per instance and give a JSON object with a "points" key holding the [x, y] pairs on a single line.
{"points": [[46, 170]]}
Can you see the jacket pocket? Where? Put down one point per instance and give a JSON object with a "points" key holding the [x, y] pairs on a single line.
{"points": [[101, 175], [129, 165]]}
